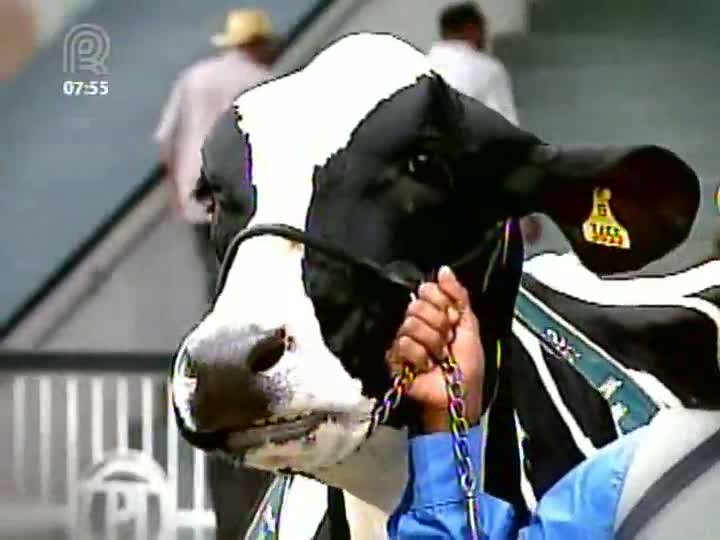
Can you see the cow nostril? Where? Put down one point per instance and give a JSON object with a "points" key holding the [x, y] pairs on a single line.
{"points": [[267, 351]]}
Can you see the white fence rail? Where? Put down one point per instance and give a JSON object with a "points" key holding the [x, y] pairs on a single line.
{"points": [[96, 456]]}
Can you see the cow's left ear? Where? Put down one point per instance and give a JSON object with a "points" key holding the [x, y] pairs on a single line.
{"points": [[620, 208]]}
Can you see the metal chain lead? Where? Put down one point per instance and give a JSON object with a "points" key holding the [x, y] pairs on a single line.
{"points": [[391, 399], [459, 428]]}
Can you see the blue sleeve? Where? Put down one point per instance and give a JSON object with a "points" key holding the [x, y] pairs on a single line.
{"points": [[433, 505], [582, 504]]}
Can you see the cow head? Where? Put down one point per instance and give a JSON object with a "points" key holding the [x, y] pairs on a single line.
{"points": [[369, 150]]}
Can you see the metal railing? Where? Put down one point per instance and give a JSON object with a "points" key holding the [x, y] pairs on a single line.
{"points": [[91, 451]]}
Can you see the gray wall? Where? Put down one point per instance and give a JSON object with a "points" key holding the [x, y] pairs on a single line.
{"points": [[148, 302]]}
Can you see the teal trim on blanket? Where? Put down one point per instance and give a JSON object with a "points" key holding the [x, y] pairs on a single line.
{"points": [[631, 405]]}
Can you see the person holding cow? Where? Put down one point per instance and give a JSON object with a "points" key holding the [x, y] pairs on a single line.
{"points": [[589, 502]]}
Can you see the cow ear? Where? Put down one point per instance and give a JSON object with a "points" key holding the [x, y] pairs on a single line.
{"points": [[445, 104], [620, 208]]}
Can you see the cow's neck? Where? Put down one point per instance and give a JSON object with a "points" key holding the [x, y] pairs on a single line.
{"points": [[365, 521], [376, 473]]}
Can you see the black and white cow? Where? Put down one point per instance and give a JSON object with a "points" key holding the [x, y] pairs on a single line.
{"points": [[368, 150]]}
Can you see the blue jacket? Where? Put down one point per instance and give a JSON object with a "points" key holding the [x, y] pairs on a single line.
{"points": [[581, 505]]}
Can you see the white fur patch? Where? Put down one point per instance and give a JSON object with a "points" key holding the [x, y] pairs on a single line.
{"points": [[303, 509], [565, 273], [373, 478], [377, 472], [332, 443], [365, 521], [525, 486]]}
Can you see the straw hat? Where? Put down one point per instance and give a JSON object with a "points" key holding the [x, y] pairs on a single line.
{"points": [[243, 26]]}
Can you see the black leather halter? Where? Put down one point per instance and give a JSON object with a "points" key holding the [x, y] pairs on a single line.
{"points": [[403, 274], [294, 234]]}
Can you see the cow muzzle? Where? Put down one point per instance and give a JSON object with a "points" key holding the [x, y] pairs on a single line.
{"points": [[235, 388], [220, 382]]}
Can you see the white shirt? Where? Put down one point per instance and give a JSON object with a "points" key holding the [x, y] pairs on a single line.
{"points": [[475, 74], [200, 95]]}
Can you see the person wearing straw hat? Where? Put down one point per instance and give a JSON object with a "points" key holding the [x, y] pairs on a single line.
{"points": [[251, 31], [199, 96]]}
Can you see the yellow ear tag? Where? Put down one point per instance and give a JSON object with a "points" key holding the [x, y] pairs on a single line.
{"points": [[601, 227]]}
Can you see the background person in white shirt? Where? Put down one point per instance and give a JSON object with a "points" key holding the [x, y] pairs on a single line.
{"points": [[200, 95], [461, 57]]}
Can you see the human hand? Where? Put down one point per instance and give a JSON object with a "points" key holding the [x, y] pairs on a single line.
{"points": [[440, 319]]}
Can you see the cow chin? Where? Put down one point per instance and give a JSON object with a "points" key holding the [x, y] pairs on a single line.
{"points": [[316, 413], [324, 441]]}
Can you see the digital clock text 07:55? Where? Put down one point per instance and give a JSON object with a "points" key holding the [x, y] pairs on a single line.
{"points": [[86, 88]]}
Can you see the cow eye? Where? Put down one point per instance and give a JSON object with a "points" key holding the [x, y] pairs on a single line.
{"points": [[428, 170]]}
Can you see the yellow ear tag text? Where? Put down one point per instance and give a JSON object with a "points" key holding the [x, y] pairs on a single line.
{"points": [[601, 227]]}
